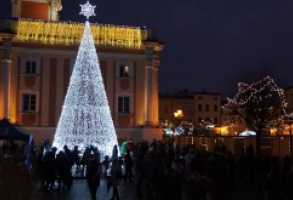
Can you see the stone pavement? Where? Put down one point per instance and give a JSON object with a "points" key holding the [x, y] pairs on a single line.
{"points": [[79, 191]]}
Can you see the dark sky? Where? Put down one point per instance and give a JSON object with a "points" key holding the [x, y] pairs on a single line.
{"points": [[209, 44]]}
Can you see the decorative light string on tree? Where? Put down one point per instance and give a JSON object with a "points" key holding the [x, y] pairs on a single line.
{"points": [[85, 117]]}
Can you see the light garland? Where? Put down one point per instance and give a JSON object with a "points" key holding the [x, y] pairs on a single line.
{"points": [[70, 33], [85, 117]]}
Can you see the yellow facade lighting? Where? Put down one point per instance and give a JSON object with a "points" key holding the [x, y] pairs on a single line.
{"points": [[70, 33]]}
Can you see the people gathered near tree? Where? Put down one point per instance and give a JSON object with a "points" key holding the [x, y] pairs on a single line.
{"points": [[159, 170]]}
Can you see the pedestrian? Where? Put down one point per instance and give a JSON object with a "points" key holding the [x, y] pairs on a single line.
{"points": [[128, 166], [105, 165], [123, 149], [94, 171], [50, 168], [114, 153], [76, 158], [115, 176]]}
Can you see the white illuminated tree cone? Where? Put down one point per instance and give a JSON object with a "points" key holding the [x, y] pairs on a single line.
{"points": [[85, 117]]}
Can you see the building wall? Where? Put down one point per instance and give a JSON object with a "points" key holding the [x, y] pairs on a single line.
{"points": [[289, 99], [210, 104], [54, 64], [189, 104], [53, 78]]}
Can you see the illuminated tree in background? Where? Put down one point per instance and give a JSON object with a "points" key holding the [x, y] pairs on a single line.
{"points": [[260, 104], [85, 117]]}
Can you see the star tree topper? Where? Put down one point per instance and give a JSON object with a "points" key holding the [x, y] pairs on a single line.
{"points": [[87, 10]]}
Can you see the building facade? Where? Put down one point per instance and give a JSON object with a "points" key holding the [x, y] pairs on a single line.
{"points": [[38, 53], [202, 108], [197, 107]]}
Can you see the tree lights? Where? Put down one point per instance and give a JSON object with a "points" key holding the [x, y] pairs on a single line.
{"points": [[260, 104], [85, 118]]}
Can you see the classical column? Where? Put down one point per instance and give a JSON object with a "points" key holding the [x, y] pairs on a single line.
{"points": [[5, 64], [151, 80], [149, 85], [155, 87]]}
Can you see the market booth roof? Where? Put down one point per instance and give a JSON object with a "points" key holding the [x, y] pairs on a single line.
{"points": [[9, 131]]}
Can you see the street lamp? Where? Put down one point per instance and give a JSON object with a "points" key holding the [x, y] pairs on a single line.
{"points": [[178, 115]]}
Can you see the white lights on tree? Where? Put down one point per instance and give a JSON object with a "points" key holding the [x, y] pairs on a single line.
{"points": [[85, 117]]}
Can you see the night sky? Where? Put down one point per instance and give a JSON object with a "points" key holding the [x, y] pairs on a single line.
{"points": [[209, 44]]}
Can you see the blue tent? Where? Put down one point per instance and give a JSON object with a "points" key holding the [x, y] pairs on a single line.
{"points": [[9, 131]]}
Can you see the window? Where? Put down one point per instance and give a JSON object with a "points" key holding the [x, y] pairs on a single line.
{"points": [[215, 98], [124, 71], [199, 120], [207, 107], [124, 104], [215, 120], [199, 107], [166, 110], [30, 67], [29, 102], [215, 108], [199, 98]]}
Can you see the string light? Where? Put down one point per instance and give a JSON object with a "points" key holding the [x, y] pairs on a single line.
{"points": [[70, 33]]}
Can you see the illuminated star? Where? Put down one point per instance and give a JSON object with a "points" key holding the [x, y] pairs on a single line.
{"points": [[87, 10]]}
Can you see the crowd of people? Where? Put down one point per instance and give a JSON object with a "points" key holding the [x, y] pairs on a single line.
{"points": [[158, 170]]}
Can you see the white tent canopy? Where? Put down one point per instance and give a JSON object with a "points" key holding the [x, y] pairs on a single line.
{"points": [[247, 133]]}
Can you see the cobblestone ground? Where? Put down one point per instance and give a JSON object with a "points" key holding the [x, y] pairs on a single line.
{"points": [[79, 191]]}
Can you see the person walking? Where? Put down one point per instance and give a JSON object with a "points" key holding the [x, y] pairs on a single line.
{"points": [[94, 171], [114, 152], [115, 176], [128, 166]]}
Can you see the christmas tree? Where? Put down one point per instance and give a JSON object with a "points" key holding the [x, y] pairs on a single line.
{"points": [[85, 117]]}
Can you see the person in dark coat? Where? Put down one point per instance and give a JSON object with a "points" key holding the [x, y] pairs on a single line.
{"points": [[94, 171], [128, 166], [115, 176], [50, 167]]}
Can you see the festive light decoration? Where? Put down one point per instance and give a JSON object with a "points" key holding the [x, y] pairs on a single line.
{"points": [[260, 104], [70, 33], [87, 10], [85, 118]]}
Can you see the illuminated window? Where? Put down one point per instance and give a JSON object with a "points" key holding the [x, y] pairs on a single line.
{"points": [[124, 71], [124, 104], [29, 102], [30, 67]]}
